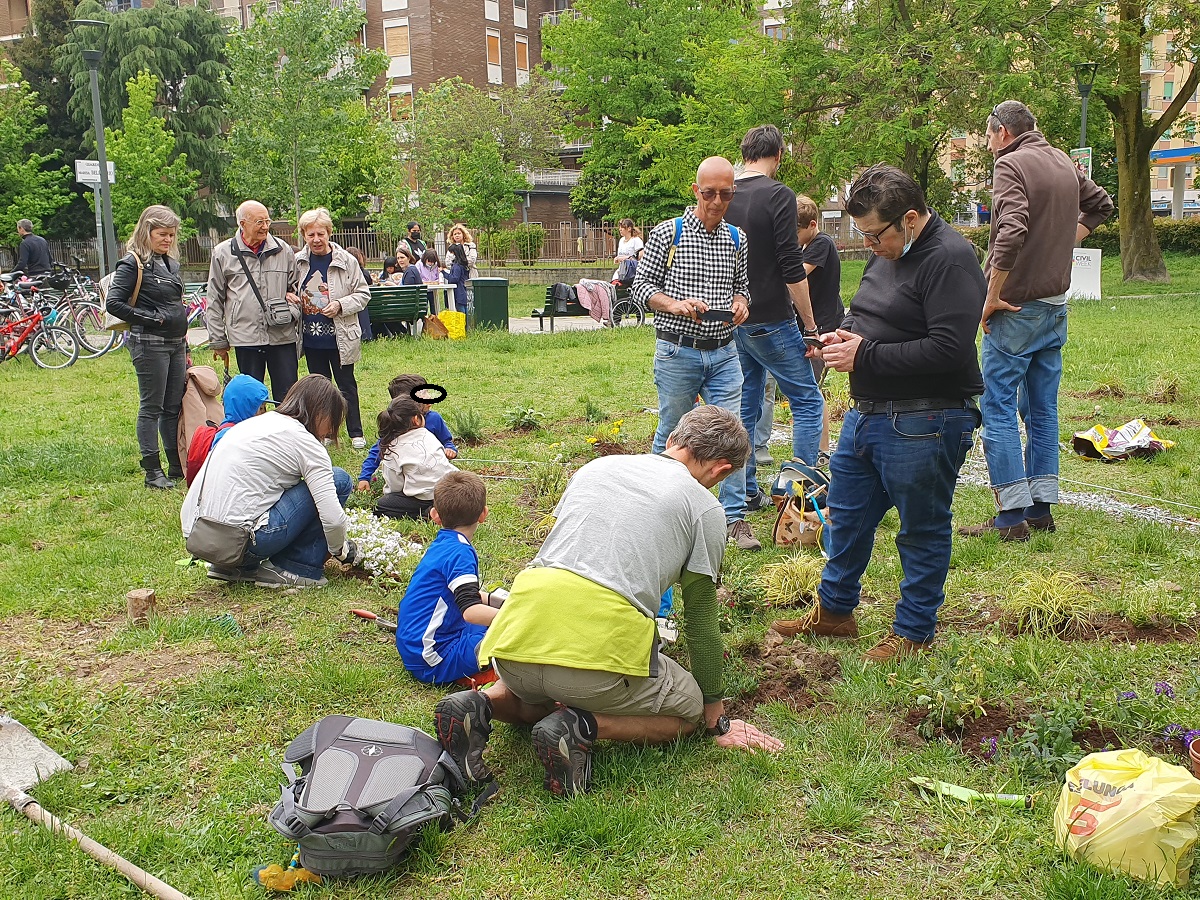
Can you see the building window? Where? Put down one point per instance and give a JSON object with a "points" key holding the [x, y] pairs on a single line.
{"points": [[774, 30], [1168, 90], [522, 52], [521, 13], [491, 10], [396, 45], [393, 5], [494, 75], [400, 101], [1145, 95]]}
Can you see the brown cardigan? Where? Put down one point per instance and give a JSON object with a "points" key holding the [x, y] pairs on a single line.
{"points": [[1038, 197]]}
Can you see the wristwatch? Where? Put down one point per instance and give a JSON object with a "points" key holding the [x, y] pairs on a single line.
{"points": [[722, 727]]}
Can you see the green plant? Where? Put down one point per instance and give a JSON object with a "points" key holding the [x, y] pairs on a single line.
{"points": [[529, 238], [949, 694], [466, 425], [1164, 389], [1048, 603], [548, 481], [592, 410], [607, 434], [523, 418], [496, 245], [1046, 746], [792, 579]]}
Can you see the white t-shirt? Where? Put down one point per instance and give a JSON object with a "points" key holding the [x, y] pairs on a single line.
{"points": [[628, 247], [413, 464]]}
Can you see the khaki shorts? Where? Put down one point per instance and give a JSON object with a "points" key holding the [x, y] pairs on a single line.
{"points": [[673, 692]]}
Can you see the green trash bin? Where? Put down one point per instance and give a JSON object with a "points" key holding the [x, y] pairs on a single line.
{"points": [[490, 306]]}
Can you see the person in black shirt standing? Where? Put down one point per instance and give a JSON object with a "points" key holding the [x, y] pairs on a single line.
{"points": [[770, 340], [909, 346], [33, 256], [824, 269]]}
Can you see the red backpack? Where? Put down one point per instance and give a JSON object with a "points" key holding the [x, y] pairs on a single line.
{"points": [[201, 444]]}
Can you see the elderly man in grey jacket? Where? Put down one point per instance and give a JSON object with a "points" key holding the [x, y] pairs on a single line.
{"points": [[252, 301]]}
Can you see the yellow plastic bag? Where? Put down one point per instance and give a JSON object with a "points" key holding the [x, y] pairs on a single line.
{"points": [[1128, 812], [455, 322]]}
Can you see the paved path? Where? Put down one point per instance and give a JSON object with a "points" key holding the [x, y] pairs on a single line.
{"points": [[520, 325]]}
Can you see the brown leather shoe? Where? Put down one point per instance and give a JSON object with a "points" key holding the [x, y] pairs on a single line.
{"points": [[1018, 532], [895, 648], [820, 622], [1042, 523]]}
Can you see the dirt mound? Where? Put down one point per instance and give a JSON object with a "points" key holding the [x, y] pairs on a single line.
{"points": [[795, 675]]}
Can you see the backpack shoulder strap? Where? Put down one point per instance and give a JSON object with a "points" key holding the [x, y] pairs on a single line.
{"points": [[735, 236], [675, 241]]}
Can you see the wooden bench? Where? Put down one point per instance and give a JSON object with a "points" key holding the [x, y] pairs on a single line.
{"points": [[402, 305], [623, 307]]}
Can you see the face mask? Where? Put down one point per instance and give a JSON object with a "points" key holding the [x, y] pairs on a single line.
{"points": [[908, 244]]}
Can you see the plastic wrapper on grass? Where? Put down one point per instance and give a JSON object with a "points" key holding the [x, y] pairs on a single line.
{"points": [[386, 551]]}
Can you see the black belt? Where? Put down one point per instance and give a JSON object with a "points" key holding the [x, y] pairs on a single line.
{"points": [[866, 407], [686, 340]]}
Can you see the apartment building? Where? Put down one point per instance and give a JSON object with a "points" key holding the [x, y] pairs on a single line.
{"points": [[14, 16], [1160, 80]]}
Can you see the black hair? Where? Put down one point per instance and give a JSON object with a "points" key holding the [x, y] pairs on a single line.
{"points": [[429, 257], [761, 142], [313, 401], [886, 191], [390, 262], [396, 420]]}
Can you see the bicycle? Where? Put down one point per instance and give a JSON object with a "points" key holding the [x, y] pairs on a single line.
{"points": [[84, 312], [49, 346]]}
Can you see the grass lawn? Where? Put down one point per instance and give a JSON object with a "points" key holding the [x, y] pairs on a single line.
{"points": [[177, 729]]}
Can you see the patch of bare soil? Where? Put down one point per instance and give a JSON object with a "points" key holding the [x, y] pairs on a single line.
{"points": [[795, 675], [609, 448], [975, 735], [1119, 630]]}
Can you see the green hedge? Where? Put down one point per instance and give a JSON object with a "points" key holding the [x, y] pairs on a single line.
{"points": [[529, 238], [1174, 236]]}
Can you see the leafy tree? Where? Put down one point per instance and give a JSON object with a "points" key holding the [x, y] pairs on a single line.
{"points": [[184, 48], [36, 55], [297, 73], [29, 189], [143, 154]]}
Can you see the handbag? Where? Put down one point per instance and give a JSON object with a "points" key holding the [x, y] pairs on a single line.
{"points": [[217, 542], [111, 322], [280, 311], [435, 329]]}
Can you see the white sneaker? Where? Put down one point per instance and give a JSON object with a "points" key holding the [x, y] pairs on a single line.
{"points": [[271, 576], [358, 443]]}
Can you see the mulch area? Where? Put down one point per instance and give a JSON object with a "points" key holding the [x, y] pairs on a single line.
{"points": [[795, 675]]}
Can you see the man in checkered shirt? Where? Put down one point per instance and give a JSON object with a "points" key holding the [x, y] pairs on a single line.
{"points": [[698, 290]]}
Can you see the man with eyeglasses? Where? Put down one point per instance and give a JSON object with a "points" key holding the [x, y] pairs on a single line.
{"points": [[908, 343], [252, 302], [770, 341], [693, 275], [1042, 206]]}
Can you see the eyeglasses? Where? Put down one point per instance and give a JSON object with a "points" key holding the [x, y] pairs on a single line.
{"points": [[261, 222], [874, 239], [710, 193]]}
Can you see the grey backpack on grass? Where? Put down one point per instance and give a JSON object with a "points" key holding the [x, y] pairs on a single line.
{"points": [[365, 792]]}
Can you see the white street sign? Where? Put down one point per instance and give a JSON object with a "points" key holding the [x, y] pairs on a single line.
{"points": [[87, 171]]}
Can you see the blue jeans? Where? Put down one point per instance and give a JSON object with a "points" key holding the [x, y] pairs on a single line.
{"points": [[1023, 354], [909, 461], [778, 348], [680, 373], [766, 423], [293, 538]]}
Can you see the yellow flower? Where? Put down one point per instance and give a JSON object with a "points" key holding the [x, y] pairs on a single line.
{"points": [[591, 440]]}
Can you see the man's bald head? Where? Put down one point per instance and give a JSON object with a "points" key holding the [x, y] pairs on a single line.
{"points": [[250, 210], [713, 189], [714, 167]]}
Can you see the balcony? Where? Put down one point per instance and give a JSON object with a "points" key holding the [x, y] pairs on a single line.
{"points": [[562, 15]]}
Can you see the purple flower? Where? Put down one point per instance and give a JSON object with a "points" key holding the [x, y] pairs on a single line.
{"points": [[993, 747], [1127, 695], [1163, 689], [1191, 736], [1173, 731]]}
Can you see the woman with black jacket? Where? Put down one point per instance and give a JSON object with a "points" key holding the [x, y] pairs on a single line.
{"points": [[157, 336]]}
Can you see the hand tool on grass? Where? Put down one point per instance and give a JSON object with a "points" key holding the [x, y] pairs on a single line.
{"points": [[381, 624]]}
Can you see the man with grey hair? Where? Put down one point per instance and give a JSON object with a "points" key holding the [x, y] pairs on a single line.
{"points": [[1042, 206], [575, 643], [33, 256], [252, 301]]}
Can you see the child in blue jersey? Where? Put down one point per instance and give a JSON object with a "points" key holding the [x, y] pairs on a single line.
{"points": [[402, 386], [443, 614]]}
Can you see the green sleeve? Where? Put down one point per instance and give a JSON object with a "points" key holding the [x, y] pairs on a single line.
{"points": [[702, 631]]}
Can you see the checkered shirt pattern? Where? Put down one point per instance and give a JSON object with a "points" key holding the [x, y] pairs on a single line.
{"points": [[707, 266]]}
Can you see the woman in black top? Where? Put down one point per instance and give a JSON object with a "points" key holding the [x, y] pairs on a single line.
{"points": [[157, 336]]}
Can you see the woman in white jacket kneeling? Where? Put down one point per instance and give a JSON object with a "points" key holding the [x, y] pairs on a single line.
{"points": [[272, 476]]}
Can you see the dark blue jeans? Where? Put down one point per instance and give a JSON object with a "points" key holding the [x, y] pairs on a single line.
{"points": [[293, 538], [909, 461]]}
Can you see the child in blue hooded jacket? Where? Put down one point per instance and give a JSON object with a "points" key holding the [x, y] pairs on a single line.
{"points": [[244, 398]]}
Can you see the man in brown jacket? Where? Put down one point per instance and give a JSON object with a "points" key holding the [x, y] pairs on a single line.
{"points": [[1042, 206]]}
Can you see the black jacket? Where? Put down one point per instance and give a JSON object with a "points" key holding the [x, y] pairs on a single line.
{"points": [[766, 210], [159, 307], [33, 256]]}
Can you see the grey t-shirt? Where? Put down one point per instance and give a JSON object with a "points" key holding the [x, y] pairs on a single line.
{"points": [[633, 524]]}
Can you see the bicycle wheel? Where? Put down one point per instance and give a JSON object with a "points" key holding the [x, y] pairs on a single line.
{"points": [[52, 347], [628, 314], [94, 339]]}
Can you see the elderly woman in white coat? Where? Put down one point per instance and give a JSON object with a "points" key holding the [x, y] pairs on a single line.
{"points": [[333, 290]]}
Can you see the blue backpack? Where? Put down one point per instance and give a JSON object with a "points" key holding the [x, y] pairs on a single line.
{"points": [[734, 235]]}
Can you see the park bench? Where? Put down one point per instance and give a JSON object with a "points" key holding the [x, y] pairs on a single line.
{"points": [[624, 307], [401, 306]]}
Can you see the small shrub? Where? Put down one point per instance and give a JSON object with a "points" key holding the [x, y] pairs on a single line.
{"points": [[529, 238], [1046, 604], [496, 245], [611, 434], [1148, 604], [1164, 389], [1046, 746], [791, 580], [1112, 386], [523, 418], [949, 694], [466, 425], [548, 480], [592, 410]]}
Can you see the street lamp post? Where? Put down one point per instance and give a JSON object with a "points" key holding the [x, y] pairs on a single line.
{"points": [[104, 188], [1085, 77]]}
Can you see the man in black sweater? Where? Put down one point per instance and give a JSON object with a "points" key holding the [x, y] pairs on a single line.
{"points": [[770, 341], [908, 343], [33, 257]]}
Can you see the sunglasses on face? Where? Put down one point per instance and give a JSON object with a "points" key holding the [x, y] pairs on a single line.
{"points": [[725, 194]]}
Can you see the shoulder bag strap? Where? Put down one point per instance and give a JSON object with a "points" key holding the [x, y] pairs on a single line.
{"points": [[253, 283], [137, 287]]}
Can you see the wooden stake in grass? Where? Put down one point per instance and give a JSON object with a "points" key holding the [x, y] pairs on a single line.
{"points": [[140, 605]]}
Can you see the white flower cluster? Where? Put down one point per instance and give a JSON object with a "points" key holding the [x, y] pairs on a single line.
{"points": [[382, 547]]}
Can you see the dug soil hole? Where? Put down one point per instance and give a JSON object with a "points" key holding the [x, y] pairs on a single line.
{"points": [[796, 675]]}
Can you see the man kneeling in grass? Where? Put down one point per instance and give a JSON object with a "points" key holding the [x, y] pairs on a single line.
{"points": [[575, 644]]}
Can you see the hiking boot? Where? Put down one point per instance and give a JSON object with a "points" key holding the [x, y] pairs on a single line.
{"points": [[894, 648], [233, 576], [157, 479], [739, 532], [358, 443], [1011, 534], [1042, 523], [462, 723], [270, 575], [561, 747], [757, 502], [820, 622]]}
